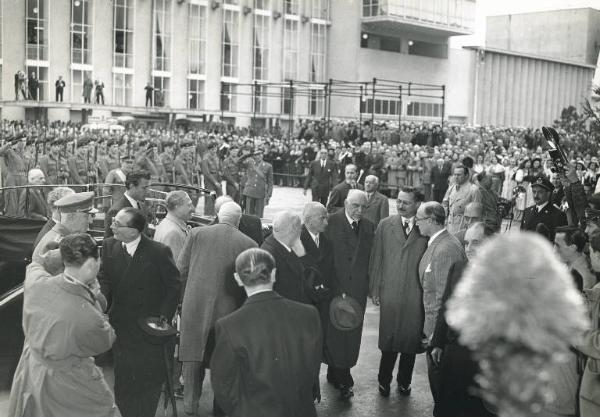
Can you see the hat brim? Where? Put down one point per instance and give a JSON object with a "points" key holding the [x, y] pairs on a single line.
{"points": [[153, 327]]}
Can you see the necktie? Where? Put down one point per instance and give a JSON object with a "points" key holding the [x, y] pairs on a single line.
{"points": [[355, 227], [322, 164], [535, 210], [317, 240], [406, 227], [125, 249]]}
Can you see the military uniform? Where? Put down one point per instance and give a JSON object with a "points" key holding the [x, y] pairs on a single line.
{"points": [[258, 187], [549, 215], [81, 165], [110, 161], [212, 179], [231, 174], [15, 175], [167, 161], [54, 165], [184, 167]]}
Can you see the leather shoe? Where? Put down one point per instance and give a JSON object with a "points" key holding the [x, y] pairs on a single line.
{"points": [[404, 390], [346, 392], [384, 390], [333, 382]]}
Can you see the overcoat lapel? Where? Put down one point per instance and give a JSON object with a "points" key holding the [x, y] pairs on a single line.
{"points": [[133, 268]]}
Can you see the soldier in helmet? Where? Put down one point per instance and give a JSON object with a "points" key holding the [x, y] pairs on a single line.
{"points": [[54, 165]]}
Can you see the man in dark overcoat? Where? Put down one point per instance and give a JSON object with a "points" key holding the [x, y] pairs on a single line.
{"points": [[543, 211], [139, 279], [340, 191], [352, 238], [395, 287], [321, 177]]}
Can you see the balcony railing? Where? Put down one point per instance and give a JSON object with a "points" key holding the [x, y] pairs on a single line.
{"points": [[451, 14]]}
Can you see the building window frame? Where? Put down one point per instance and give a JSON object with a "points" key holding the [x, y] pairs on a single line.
{"points": [[125, 59], [36, 31], [230, 42], [196, 90], [81, 31], [261, 47], [318, 52], [197, 39], [291, 49], [122, 94], [228, 97], [161, 82], [162, 20]]}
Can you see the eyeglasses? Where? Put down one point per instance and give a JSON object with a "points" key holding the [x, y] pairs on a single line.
{"points": [[118, 225]]}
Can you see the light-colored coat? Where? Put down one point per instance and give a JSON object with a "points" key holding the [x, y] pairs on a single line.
{"points": [[207, 264], [394, 278], [589, 345], [378, 208], [172, 233], [64, 329], [50, 259], [442, 253]]}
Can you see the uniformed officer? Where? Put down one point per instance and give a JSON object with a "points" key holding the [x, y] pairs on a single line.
{"points": [[80, 164], [54, 165], [231, 173], [461, 193], [76, 215], [543, 212], [16, 173], [117, 176], [212, 177], [259, 184], [107, 163], [166, 159], [184, 163]]}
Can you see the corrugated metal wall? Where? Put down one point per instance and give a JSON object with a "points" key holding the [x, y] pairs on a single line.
{"points": [[515, 90]]}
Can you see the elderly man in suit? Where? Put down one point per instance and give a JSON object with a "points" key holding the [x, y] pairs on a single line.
{"points": [[258, 187], [340, 191], [351, 236], [173, 229], [285, 246], [378, 205], [136, 183], [321, 177], [139, 279], [395, 287], [207, 264], [543, 211], [443, 251], [250, 225], [268, 353], [32, 201]]}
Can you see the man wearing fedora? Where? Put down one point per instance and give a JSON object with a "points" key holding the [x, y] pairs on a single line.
{"points": [[395, 287], [268, 353], [139, 279], [351, 236], [543, 211]]}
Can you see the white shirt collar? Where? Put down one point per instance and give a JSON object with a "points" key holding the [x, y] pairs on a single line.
{"points": [[542, 206], [409, 220], [350, 219], [251, 293], [284, 245], [432, 238], [131, 247], [133, 202]]}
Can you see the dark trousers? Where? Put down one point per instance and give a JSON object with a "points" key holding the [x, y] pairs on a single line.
{"points": [[59, 95], [139, 377], [255, 206], [406, 365], [99, 97], [148, 100], [438, 194], [434, 373], [340, 376], [320, 198]]}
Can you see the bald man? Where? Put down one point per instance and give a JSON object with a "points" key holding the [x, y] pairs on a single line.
{"points": [[473, 214], [207, 264], [32, 201], [351, 236], [250, 225], [290, 281]]}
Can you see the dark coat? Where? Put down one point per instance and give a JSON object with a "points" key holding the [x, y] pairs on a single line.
{"points": [[320, 258], [439, 179], [351, 260], [289, 281], [550, 216], [378, 208], [338, 196], [32, 204], [394, 278], [319, 179], [267, 358]]}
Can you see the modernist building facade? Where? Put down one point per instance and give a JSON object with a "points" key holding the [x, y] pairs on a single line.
{"points": [[249, 61]]}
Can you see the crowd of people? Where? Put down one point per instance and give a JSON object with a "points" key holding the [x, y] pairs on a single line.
{"points": [[260, 318]]}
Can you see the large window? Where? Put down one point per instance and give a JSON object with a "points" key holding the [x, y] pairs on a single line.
{"points": [[292, 6], [228, 97], [41, 74], [370, 8], [230, 43], [123, 33], [424, 109], [37, 30], [195, 94], [77, 79], [261, 4], [290, 51], [262, 34], [122, 89], [287, 100], [162, 35], [316, 103], [385, 107], [197, 39], [81, 32], [161, 91], [320, 9], [317, 52], [260, 99]]}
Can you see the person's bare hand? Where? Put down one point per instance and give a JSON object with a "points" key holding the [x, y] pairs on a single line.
{"points": [[375, 300], [436, 355]]}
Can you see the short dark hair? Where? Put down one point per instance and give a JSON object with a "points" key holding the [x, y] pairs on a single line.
{"points": [[134, 177], [435, 210], [463, 167], [137, 219], [254, 266], [467, 162], [573, 236], [416, 192], [77, 248]]}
